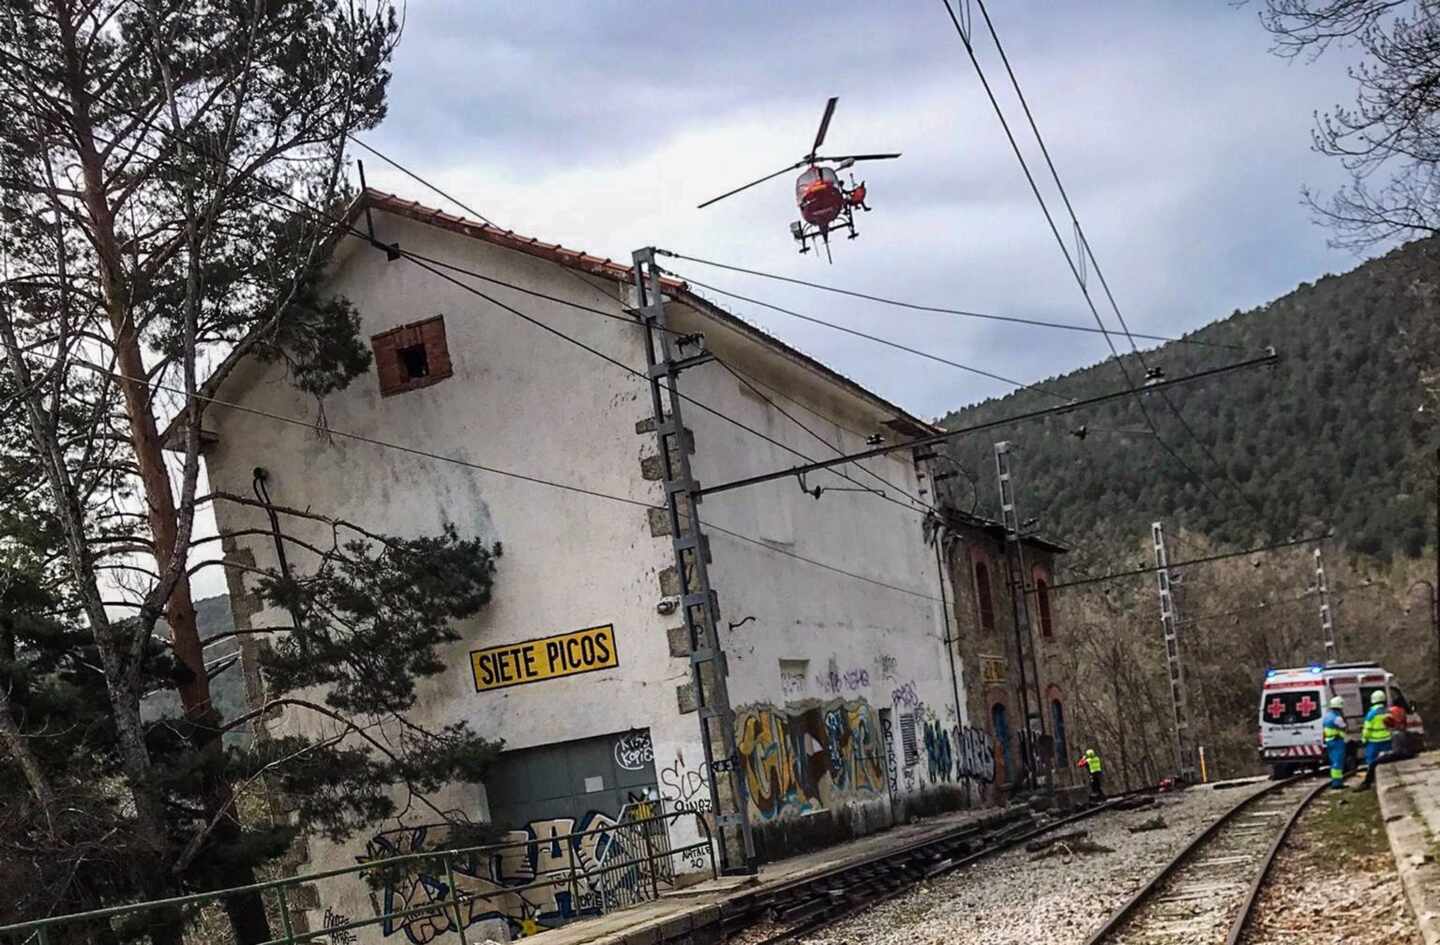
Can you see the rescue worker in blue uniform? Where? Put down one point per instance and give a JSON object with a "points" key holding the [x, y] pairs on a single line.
{"points": [[1334, 738], [1376, 735]]}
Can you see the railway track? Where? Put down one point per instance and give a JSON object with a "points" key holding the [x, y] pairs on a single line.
{"points": [[794, 912], [1208, 891]]}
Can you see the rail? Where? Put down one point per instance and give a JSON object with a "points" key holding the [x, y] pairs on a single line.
{"points": [[626, 864], [1132, 906]]}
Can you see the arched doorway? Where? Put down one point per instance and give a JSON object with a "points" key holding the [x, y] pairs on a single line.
{"points": [[1000, 722], [1057, 724]]}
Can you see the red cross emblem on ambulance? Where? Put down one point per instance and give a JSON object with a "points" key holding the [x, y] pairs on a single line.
{"points": [[1275, 709], [1306, 705]]}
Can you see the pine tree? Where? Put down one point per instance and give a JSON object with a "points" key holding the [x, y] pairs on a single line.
{"points": [[171, 176]]}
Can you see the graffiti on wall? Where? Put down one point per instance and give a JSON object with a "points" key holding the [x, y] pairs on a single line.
{"points": [[905, 696], [634, 750], [528, 885], [954, 753], [938, 758], [333, 923], [833, 681], [892, 770], [802, 758], [685, 788], [974, 754]]}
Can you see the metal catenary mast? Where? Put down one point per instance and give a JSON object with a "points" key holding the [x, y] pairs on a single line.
{"points": [[698, 603], [1019, 593], [1169, 624]]}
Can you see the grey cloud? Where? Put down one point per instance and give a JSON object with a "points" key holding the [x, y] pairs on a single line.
{"points": [[1182, 142]]}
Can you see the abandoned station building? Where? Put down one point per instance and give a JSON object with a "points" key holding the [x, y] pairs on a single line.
{"points": [[870, 676]]}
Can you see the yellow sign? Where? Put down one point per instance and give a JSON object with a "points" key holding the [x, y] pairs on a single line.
{"points": [[992, 670], [566, 654]]}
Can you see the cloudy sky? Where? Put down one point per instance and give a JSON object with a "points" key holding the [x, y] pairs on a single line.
{"points": [[1182, 141]]}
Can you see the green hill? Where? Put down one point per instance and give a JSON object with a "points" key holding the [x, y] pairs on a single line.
{"points": [[1339, 434]]}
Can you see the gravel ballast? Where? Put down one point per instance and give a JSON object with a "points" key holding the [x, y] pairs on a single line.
{"points": [[1058, 899]]}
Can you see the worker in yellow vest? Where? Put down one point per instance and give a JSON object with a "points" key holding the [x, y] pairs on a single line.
{"points": [[1375, 734], [1091, 761], [1334, 739]]}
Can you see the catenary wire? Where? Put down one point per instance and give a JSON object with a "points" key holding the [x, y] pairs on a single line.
{"points": [[432, 266], [1087, 250], [877, 339], [749, 382], [1274, 546], [424, 264], [1013, 319], [413, 258], [754, 386], [1065, 252], [481, 467]]}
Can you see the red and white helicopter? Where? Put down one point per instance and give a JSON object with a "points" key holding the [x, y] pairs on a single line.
{"points": [[825, 203]]}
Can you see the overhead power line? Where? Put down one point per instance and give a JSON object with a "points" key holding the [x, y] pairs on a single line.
{"points": [[418, 179], [932, 439], [1289, 543], [877, 339], [1084, 250], [754, 387], [429, 264], [434, 266], [916, 307], [481, 467]]}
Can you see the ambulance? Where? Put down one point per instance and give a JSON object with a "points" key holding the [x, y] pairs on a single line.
{"points": [[1293, 702]]}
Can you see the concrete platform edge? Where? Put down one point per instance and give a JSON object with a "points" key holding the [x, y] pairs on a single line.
{"points": [[660, 921], [1411, 844]]}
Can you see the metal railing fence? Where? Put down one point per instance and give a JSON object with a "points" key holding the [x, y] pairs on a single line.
{"points": [[606, 868]]}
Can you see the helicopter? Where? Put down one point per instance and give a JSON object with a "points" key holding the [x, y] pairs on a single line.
{"points": [[826, 204]]}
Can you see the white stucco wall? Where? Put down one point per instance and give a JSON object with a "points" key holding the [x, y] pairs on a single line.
{"points": [[873, 635], [519, 400], [524, 400]]}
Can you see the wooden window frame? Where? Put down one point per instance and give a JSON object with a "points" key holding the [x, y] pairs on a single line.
{"points": [[984, 595], [389, 367], [1042, 600]]}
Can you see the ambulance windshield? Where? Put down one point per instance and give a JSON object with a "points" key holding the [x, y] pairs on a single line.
{"points": [[1295, 707]]}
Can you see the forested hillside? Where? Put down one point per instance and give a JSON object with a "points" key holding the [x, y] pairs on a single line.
{"points": [[1338, 434]]}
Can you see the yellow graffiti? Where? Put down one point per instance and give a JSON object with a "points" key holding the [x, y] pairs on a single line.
{"points": [[798, 758]]}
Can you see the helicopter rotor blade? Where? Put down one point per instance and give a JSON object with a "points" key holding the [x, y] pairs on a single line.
{"points": [[852, 158], [731, 193], [824, 124]]}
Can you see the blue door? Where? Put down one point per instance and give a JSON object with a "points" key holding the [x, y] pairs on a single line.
{"points": [[1001, 723], [1062, 747]]}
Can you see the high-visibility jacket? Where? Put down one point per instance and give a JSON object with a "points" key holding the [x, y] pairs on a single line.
{"points": [[1334, 725], [1089, 760], [1375, 729]]}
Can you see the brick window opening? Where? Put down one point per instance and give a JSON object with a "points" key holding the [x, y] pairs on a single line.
{"points": [[411, 356], [1042, 594], [414, 363], [983, 599]]}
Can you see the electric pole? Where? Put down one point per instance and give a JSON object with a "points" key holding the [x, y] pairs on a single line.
{"points": [[698, 603], [1327, 623], [1169, 624], [1019, 593]]}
